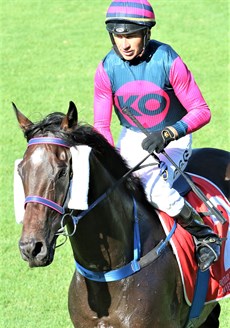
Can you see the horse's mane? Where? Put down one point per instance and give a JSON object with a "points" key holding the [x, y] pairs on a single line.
{"points": [[85, 134]]}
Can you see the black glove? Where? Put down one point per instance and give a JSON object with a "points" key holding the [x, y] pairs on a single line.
{"points": [[158, 140]]}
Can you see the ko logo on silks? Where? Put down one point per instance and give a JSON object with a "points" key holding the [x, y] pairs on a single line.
{"points": [[142, 98]]}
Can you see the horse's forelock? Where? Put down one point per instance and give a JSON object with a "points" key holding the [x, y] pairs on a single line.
{"points": [[50, 124]]}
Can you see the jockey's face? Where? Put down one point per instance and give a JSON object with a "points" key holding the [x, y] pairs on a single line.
{"points": [[130, 45]]}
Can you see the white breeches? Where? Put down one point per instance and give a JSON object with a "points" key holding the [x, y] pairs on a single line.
{"points": [[158, 188]]}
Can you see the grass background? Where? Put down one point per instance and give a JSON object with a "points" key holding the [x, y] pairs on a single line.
{"points": [[49, 53]]}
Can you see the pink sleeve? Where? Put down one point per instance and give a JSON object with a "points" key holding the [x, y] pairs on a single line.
{"points": [[103, 103], [188, 93]]}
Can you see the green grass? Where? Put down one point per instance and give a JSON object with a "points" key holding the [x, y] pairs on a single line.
{"points": [[49, 53]]}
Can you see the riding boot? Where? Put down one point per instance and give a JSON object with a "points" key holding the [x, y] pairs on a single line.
{"points": [[207, 242]]}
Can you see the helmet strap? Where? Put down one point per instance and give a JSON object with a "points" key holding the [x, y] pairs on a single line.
{"points": [[146, 40], [115, 46]]}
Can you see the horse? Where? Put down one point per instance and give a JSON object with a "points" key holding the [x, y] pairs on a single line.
{"points": [[103, 237]]}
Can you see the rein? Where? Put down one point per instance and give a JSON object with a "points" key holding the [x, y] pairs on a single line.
{"points": [[138, 262], [61, 209], [195, 189]]}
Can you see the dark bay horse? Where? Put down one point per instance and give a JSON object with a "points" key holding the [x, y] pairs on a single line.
{"points": [[102, 240]]}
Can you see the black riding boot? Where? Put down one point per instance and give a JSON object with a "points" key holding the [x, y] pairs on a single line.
{"points": [[207, 242]]}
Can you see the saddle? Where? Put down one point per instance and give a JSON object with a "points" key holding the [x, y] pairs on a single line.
{"points": [[183, 244]]}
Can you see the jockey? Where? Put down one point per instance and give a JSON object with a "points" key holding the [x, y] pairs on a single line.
{"points": [[150, 79]]}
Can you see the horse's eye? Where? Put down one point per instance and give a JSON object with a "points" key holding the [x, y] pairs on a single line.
{"points": [[62, 173], [19, 168]]}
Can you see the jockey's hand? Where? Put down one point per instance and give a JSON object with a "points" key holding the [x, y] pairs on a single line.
{"points": [[158, 140]]}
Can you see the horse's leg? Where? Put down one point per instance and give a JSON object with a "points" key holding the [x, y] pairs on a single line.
{"points": [[77, 302], [71, 301], [88, 302], [212, 320]]}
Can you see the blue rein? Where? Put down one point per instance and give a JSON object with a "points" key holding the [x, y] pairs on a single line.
{"points": [[127, 270]]}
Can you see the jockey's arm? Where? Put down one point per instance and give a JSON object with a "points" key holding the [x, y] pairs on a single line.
{"points": [[103, 104], [189, 94]]}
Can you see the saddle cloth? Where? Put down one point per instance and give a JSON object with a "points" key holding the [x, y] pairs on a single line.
{"points": [[183, 245]]}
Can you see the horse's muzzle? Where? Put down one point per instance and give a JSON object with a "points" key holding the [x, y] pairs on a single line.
{"points": [[36, 253]]}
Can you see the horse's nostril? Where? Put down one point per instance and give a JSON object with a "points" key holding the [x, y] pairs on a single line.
{"points": [[32, 249], [37, 249]]}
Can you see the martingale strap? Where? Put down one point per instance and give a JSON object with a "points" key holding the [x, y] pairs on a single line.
{"points": [[136, 264]]}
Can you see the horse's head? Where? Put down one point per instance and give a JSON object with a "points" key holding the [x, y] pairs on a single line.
{"points": [[45, 172]]}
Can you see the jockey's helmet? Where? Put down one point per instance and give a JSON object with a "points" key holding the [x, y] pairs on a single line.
{"points": [[126, 17]]}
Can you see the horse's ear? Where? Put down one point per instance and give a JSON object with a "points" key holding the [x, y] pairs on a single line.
{"points": [[23, 121], [71, 117]]}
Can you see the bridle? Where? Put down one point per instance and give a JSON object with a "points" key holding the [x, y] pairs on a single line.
{"points": [[61, 209], [47, 202], [41, 200]]}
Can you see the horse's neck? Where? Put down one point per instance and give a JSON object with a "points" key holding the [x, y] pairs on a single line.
{"points": [[104, 238]]}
